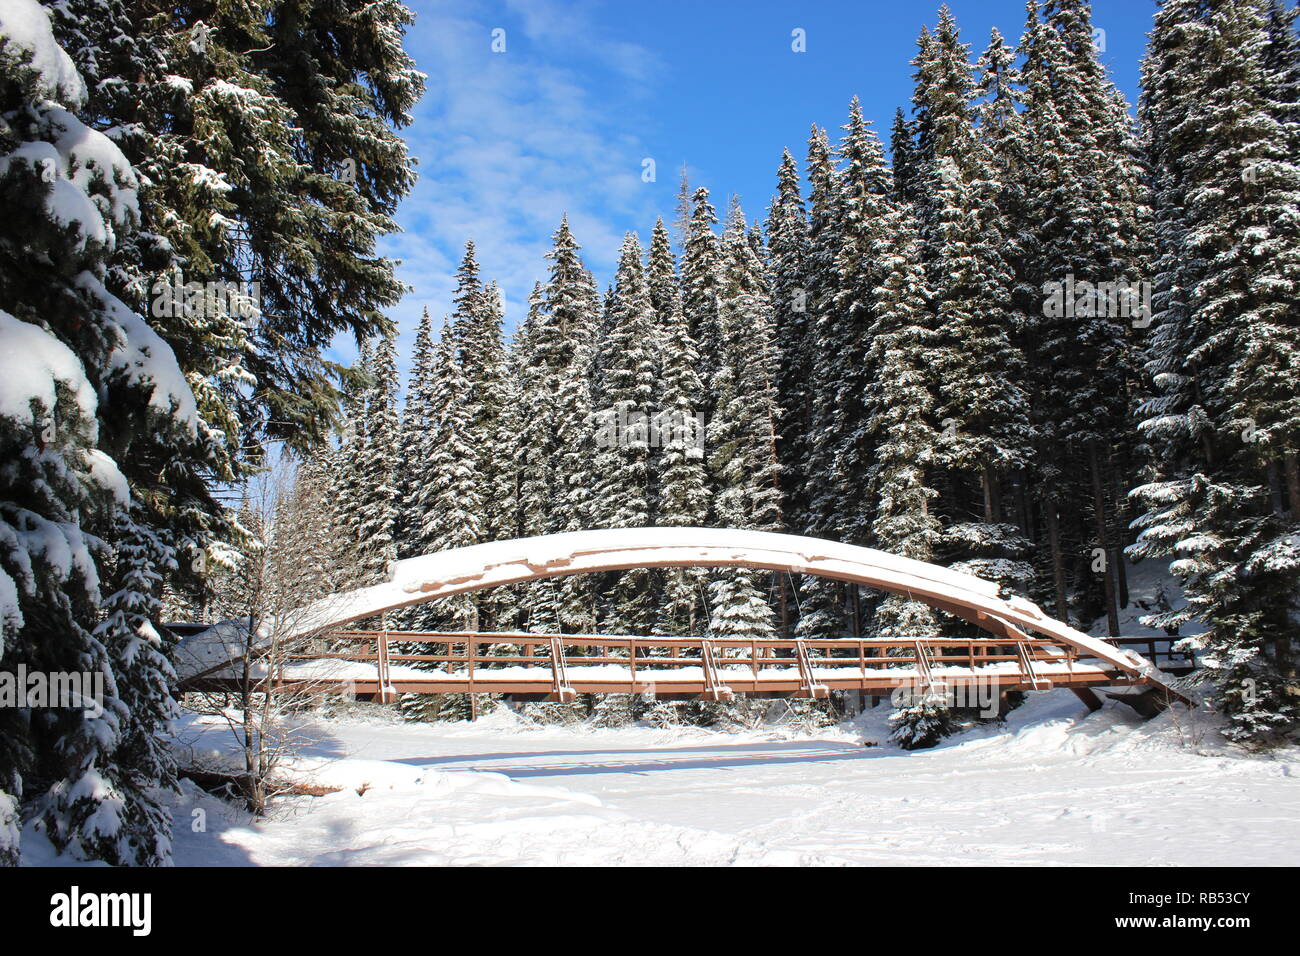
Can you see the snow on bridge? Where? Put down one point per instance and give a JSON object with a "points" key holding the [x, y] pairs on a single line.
{"points": [[1025, 647]]}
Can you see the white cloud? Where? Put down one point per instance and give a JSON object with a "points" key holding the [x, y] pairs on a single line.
{"points": [[508, 142]]}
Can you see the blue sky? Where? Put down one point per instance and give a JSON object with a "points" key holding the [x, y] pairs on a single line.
{"points": [[585, 92]]}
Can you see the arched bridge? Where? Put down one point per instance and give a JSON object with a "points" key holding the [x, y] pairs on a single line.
{"points": [[1023, 647]]}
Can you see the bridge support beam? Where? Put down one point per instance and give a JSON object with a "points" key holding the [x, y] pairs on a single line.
{"points": [[1090, 700]]}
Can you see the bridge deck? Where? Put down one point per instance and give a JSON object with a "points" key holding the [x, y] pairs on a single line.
{"points": [[557, 667]]}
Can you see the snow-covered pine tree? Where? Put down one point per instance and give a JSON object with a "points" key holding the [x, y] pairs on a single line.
{"points": [[87, 384], [864, 190], [1001, 128], [623, 493], [347, 465], [415, 527], [701, 263], [130, 85], [378, 507], [414, 443], [787, 241], [821, 605], [681, 481], [557, 439], [1082, 219], [143, 676], [316, 540], [1224, 423], [903, 160], [274, 85], [454, 515], [479, 341], [266, 143], [446, 510], [981, 402], [923, 720], [742, 430], [900, 407], [664, 283], [493, 425], [191, 93]]}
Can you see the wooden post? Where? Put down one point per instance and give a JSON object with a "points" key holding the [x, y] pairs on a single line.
{"points": [[469, 657], [381, 665]]}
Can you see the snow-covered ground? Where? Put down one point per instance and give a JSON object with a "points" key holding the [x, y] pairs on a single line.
{"points": [[1052, 785]]}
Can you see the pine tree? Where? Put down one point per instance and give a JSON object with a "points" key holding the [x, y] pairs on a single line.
{"points": [[144, 761], [903, 159], [477, 327], [978, 368], [922, 721], [864, 187], [378, 507], [347, 468], [417, 520], [453, 516], [820, 600], [97, 397], [900, 406], [787, 240], [268, 140], [415, 445], [1083, 213], [682, 498], [479, 340], [623, 495], [1223, 421], [701, 262], [742, 430], [557, 439]]}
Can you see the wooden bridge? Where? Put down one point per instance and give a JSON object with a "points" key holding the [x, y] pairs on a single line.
{"points": [[1023, 649], [369, 665]]}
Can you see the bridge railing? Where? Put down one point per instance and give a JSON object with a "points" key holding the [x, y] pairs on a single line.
{"points": [[387, 663], [464, 647], [468, 652]]}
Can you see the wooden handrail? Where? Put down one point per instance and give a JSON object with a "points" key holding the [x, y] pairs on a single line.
{"points": [[807, 667], [862, 653]]}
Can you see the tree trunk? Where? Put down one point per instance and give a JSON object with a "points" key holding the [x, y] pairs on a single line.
{"points": [[1121, 524], [1058, 560], [992, 505], [1273, 479], [1292, 470], [1024, 514], [1121, 576], [1103, 539]]}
